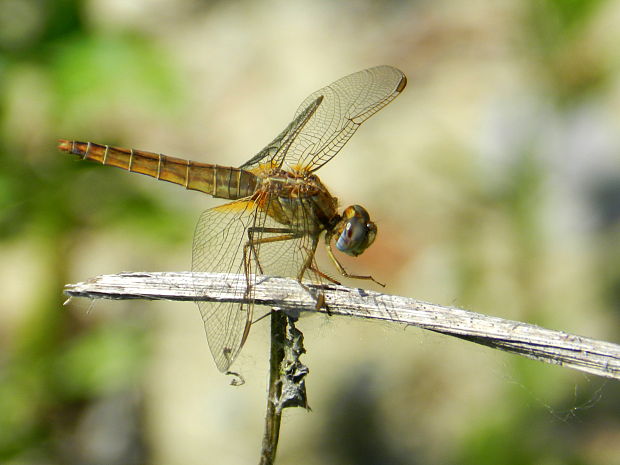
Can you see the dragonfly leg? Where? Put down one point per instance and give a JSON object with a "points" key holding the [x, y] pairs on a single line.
{"points": [[324, 276], [286, 235], [249, 247], [310, 265], [341, 268], [318, 295]]}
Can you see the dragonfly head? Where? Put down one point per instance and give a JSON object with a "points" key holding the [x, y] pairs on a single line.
{"points": [[355, 231]]}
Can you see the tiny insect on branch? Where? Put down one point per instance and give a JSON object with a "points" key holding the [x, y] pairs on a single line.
{"points": [[555, 347]]}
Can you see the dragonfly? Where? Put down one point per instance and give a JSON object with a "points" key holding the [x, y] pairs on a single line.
{"points": [[279, 207]]}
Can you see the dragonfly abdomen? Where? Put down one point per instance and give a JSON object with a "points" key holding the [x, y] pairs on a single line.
{"points": [[219, 181]]}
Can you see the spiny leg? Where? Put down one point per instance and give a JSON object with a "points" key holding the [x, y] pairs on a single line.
{"points": [[249, 248], [250, 245], [309, 265], [247, 267], [285, 235], [341, 268], [324, 275]]}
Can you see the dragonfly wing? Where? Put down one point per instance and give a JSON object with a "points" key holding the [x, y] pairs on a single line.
{"points": [[271, 248], [218, 247], [345, 105], [283, 141]]}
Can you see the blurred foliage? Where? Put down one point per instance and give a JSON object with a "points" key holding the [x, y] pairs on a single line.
{"points": [[57, 72], [557, 34]]}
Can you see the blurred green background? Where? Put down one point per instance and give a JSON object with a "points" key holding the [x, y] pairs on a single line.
{"points": [[494, 179]]}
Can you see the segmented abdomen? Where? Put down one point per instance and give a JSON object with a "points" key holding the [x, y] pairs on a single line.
{"points": [[219, 181]]}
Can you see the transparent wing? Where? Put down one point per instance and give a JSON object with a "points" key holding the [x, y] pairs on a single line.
{"points": [[285, 139], [271, 248], [218, 247], [327, 119]]}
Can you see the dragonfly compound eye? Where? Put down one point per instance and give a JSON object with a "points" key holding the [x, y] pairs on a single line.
{"points": [[357, 232]]}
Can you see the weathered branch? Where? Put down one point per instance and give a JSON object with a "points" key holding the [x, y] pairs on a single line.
{"points": [[555, 347]]}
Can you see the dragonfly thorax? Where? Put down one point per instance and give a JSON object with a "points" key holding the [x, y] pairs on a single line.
{"points": [[300, 201]]}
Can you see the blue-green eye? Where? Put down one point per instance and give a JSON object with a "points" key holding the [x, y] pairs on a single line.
{"points": [[356, 231]]}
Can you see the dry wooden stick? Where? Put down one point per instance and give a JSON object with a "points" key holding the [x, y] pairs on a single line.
{"points": [[555, 347]]}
